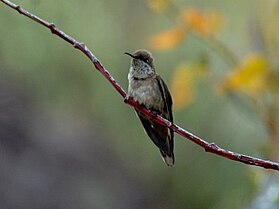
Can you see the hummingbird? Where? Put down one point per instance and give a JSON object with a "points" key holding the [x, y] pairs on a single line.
{"points": [[148, 89]]}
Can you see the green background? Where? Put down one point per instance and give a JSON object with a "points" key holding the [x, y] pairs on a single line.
{"points": [[67, 140]]}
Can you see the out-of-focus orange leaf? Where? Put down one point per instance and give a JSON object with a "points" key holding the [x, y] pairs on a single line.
{"points": [[203, 23], [158, 5], [167, 39], [183, 84], [250, 77], [192, 19]]}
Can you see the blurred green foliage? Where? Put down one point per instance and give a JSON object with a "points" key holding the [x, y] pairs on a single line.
{"points": [[66, 95]]}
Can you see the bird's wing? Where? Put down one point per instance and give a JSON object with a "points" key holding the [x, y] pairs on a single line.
{"points": [[166, 97], [167, 113], [167, 100]]}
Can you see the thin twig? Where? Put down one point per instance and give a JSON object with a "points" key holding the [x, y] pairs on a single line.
{"points": [[208, 147]]}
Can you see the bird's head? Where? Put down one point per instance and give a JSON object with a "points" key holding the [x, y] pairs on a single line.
{"points": [[142, 63]]}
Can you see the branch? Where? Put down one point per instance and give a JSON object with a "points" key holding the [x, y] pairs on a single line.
{"points": [[208, 147]]}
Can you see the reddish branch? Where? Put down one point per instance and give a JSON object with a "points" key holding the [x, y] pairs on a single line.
{"points": [[208, 147]]}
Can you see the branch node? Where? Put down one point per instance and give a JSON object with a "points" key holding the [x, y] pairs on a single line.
{"points": [[211, 146], [52, 28], [18, 9], [80, 45], [76, 45]]}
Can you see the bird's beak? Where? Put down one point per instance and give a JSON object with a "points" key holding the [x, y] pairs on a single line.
{"points": [[130, 55]]}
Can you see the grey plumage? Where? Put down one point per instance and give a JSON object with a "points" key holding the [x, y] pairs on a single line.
{"points": [[148, 89]]}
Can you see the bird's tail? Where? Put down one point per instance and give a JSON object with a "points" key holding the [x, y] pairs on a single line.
{"points": [[168, 157]]}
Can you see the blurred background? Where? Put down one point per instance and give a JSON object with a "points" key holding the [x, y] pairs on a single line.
{"points": [[67, 140]]}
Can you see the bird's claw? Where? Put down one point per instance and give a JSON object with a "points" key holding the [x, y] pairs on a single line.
{"points": [[127, 98], [154, 112]]}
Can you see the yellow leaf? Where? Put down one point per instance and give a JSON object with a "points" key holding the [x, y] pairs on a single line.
{"points": [[167, 39], [203, 23], [250, 77], [158, 5], [183, 84]]}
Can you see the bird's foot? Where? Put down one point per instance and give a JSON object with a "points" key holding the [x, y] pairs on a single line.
{"points": [[154, 112]]}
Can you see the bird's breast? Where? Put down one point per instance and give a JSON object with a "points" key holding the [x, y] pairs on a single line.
{"points": [[146, 92]]}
